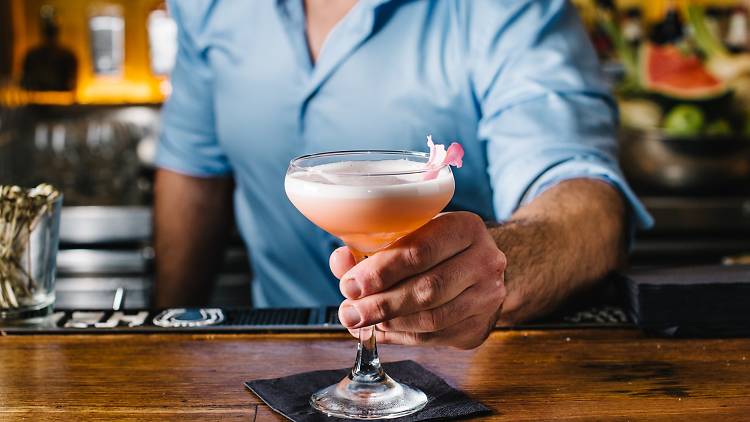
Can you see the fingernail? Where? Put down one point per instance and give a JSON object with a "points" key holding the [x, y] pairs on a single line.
{"points": [[335, 255], [350, 288], [349, 316]]}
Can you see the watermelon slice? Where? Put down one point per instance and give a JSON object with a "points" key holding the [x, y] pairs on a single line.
{"points": [[666, 70]]}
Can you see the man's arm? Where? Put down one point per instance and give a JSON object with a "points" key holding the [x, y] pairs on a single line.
{"points": [[191, 221], [444, 283], [564, 240]]}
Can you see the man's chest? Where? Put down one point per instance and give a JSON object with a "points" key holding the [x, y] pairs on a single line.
{"points": [[382, 90]]}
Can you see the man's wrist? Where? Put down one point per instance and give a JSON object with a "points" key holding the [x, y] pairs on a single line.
{"points": [[564, 240]]}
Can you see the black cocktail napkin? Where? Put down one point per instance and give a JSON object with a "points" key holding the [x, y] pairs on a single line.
{"points": [[290, 395]]}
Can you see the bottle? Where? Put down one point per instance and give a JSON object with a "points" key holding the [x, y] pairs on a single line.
{"points": [[736, 38], [162, 40], [669, 30], [605, 11], [714, 21], [49, 66], [632, 26], [107, 34]]}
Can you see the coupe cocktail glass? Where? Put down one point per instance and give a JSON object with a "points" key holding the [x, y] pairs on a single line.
{"points": [[368, 199]]}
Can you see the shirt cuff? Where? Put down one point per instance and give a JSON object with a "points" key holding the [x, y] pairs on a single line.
{"points": [[592, 168], [202, 163]]}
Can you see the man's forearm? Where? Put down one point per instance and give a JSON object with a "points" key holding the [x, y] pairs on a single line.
{"points": [[563, 241], [191, 221]]}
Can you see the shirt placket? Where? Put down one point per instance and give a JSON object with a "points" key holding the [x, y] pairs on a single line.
{"points": [[343, 40]]}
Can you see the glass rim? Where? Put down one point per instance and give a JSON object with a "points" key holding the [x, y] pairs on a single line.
{"points": [[359, 152]]}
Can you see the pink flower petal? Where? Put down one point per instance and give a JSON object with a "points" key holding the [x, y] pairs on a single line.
{"points": [[437, 153], [439, 157], [454, 156]]}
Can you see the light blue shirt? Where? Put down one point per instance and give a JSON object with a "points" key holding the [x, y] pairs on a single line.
{"points": [[515, 81]]}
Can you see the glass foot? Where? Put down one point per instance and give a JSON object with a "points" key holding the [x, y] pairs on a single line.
{"points": [[382, 399]]}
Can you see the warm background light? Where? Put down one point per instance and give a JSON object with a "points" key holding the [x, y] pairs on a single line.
{"points": [[136, 83]]}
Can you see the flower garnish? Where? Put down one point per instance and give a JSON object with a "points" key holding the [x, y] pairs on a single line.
{"points": [[440, 157]]}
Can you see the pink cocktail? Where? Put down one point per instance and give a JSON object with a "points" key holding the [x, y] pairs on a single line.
{"points": [[369, 199], [369, 212]]}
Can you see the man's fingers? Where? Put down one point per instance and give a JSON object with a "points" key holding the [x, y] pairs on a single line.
{"points": [[443, 237], [466, 334], [341, 261], [424, 291], [482, 297]]}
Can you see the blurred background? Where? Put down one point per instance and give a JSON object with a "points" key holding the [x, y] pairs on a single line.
{"points": [[82, 82]]}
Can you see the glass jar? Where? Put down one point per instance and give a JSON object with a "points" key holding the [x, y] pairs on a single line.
{"points": [[28, 265]]}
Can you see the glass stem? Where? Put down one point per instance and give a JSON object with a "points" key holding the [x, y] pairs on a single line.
{"points": [[367, 366]]}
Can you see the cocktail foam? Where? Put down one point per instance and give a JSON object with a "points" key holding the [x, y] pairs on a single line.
{"points": [[351, 179]]}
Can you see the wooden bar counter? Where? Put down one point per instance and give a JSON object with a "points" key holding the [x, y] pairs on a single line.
{"points": [[585, 374]]}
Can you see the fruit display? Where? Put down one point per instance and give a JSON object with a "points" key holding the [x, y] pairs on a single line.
{"points": [[684, 120], [667, 70], [683, 82]]}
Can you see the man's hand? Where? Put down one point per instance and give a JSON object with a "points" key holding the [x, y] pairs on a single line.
{"points": [[441, 285]]}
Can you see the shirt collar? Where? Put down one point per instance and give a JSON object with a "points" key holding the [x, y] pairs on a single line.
{"points": [[373, 4]]}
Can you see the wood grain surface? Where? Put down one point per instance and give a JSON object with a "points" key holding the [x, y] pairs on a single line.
{"points": [[592, 374]]}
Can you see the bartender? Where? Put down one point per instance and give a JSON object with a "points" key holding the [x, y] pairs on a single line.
{"points": [[540, 211]]}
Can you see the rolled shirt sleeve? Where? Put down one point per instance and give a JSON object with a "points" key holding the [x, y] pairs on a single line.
{"points": [[188, 143], [546, 114]]}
